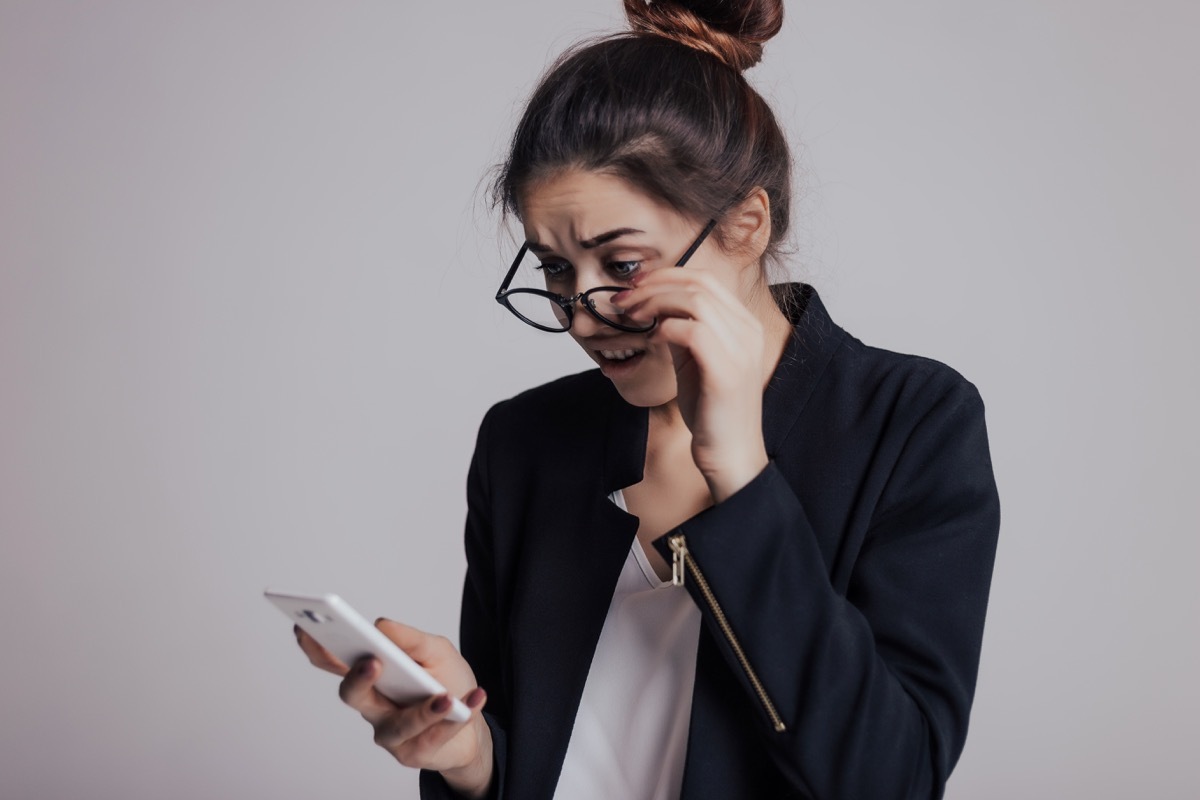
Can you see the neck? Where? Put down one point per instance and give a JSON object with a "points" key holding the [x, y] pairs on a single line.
{"points": [[666, 420], [777, 330]]}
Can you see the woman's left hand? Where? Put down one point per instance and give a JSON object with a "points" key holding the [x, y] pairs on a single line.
{"points": [[717, 346]]}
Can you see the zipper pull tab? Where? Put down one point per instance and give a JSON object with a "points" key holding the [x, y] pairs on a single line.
{"points": [[678, 554]]}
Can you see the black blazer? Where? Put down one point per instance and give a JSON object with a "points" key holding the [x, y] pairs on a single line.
{"points": [[843, 590]]}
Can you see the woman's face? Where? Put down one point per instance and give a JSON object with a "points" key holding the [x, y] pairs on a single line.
{"points": [[590, 229]]}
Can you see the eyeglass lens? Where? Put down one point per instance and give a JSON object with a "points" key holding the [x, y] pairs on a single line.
{"points": [[546, 312]]}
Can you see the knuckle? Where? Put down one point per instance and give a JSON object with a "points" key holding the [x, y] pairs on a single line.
{"points": [[421, 745], [381, 737], [393, 730], [407, 753], [428, 741], [386, 735]]}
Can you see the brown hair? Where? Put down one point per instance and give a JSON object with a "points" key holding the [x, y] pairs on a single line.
{"points": [[733, 32], [665, 107]]}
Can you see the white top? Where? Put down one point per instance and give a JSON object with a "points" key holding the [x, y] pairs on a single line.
{"points": [[630, 733]]}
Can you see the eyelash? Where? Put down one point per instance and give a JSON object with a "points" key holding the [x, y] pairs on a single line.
{"points": [[549, 264]]}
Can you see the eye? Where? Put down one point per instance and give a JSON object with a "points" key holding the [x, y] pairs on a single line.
{"points": [[553, 268], [624, 269]]}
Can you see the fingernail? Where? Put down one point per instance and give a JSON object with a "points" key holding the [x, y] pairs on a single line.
{"points": [[621, 295], [441, 704], [476, 697]]}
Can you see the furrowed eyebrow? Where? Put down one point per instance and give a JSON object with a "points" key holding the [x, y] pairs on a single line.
{"points": [[604, 238], [588, 244]]}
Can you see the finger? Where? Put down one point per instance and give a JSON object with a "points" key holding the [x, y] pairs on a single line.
{"points": [[700, 343], [742, 328], [318, 655], [431, 738], [684, 300], [424, 648], [693, 306], [722, 300], [357, 690], [698, 280]]}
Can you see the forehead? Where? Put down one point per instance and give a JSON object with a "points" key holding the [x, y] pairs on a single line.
{"points": [[574, 205]]}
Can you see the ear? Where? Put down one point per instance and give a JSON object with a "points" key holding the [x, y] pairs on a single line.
{"points": [[748, 225]]}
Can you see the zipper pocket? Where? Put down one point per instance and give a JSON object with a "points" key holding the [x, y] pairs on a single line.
{"points": [[681, 560]]}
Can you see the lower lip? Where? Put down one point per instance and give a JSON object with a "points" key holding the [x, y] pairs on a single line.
{"points": [[612, 368]]}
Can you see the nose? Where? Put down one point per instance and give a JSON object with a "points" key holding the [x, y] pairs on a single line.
{"points": [[583, 324]]}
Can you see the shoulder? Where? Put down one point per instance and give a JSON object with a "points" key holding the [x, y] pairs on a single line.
{"points": [[901, 380], [911, 425], [567, 396], [554, 408], [874, 400], [918, 420], [858, 379], [900, 388]]}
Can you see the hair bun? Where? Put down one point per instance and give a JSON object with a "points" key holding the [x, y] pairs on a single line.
{"points": [[732, 30]]}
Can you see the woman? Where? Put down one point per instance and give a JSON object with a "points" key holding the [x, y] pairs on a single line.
{"points": [[749, 556]]}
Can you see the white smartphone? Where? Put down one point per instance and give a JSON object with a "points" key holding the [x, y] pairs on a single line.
{"points": [[344, 632]]}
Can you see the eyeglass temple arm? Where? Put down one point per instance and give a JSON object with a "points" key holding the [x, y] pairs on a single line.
{"points": [[524, 247], [512, 271], [696, 244]]}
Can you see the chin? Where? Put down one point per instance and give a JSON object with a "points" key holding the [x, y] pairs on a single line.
{"points": [[645, 394], [653, 384]]}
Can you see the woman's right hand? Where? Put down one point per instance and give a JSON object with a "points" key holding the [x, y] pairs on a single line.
{"points": [[418, 735]]}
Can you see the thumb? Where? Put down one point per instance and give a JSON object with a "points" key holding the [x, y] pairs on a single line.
{"points": [[422, 647]]}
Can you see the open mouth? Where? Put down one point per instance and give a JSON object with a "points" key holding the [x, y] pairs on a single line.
{"points": [[619, 355]]}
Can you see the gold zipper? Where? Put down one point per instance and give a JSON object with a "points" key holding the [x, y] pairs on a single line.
{"points": [[680, 560]]}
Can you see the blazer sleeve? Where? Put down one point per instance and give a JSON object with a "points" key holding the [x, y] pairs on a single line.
{"points": [[871, 690], [478, 628]]}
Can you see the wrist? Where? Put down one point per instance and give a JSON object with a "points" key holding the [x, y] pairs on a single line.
{"points": [[473, 780], [733, 476]]}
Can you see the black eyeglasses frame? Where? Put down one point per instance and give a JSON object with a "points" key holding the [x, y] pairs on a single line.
{"points": [[568, 303]]}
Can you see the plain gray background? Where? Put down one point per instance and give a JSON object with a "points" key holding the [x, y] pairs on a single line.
{"points": [[247, 336]]}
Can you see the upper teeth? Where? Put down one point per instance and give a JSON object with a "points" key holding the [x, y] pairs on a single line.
{"points": [[619, 355]]}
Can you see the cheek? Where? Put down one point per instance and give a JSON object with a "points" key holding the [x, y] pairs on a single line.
{"points": [[659, 351], [659, 366]]}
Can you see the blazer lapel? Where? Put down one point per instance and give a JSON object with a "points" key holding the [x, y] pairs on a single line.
{"points": [[813, 341], [576, 544]]}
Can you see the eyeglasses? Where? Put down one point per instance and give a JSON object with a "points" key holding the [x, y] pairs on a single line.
{"points": [[549, 311]]}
